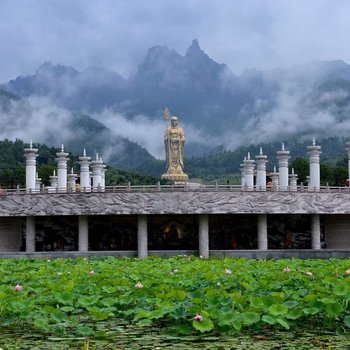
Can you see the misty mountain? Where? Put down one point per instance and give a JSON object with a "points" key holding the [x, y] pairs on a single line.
{"points": [[215, 106], [194, 86], [50, 125], [90, 90]]}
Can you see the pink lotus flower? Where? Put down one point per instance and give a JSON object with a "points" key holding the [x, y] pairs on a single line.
{"points": [[18, 288], [228, 271], [139, 285], [347, 271], [287, 269], [198, 318], [309, 273]]}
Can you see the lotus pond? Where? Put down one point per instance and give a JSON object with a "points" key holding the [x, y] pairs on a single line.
{"points": [[123, 303]]}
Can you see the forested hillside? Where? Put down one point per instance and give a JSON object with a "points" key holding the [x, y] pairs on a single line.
{"points": [[12, 166]]}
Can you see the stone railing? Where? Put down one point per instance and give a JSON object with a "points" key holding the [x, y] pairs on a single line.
{"points": [[172, 188]]}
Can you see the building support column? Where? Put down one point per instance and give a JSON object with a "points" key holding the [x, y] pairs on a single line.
{"points": [[30, 234], [83, 233], [203, 236], [142, 241], [262, 232], [315, 231]]}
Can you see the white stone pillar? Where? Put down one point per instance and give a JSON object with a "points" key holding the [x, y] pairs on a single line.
{"points": [[53, 182], [262, 232], [84, 162], [103, 177], [315, 231], [249, 172], [83, 233], [62, 170], [203, 236], [261, 161], [293, 178], [96, 166], [241, 168], [142, 239], [348, 150], [30, 154], [37, 182], [314, 152], [72, 179], [283, 157], [30, 234], [274, 179]]}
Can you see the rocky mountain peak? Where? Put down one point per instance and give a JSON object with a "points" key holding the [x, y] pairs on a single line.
{"points": [[194, 49], [48, 68], [158, 58]]}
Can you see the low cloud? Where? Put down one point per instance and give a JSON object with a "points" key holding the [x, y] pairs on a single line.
{"points": [[37, 120], [149, 133], [327, 115]]}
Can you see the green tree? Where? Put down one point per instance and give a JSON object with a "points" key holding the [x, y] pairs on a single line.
{"points": [[44, 172], [301, 167]]}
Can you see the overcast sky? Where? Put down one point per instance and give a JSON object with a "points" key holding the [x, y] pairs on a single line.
{"points": [[117, 33]]}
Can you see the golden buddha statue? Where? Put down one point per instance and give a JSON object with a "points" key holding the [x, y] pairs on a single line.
{"points": [[174, 140]]}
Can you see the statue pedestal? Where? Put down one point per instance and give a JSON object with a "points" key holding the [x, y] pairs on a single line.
{"points": [[175, 177]]}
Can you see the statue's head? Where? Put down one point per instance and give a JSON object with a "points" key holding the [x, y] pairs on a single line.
{"points": [[173, 121]]}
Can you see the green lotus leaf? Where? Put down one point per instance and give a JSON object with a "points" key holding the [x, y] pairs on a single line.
{"points": [[205, 325], [228, 318], [268, 319], [249, 318], [58, 315], [278, 309], [311, 310], [334, 309], [346, 321], [341, 290], [85, 331], [294, 314], [65, 298], [283, 323]]}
